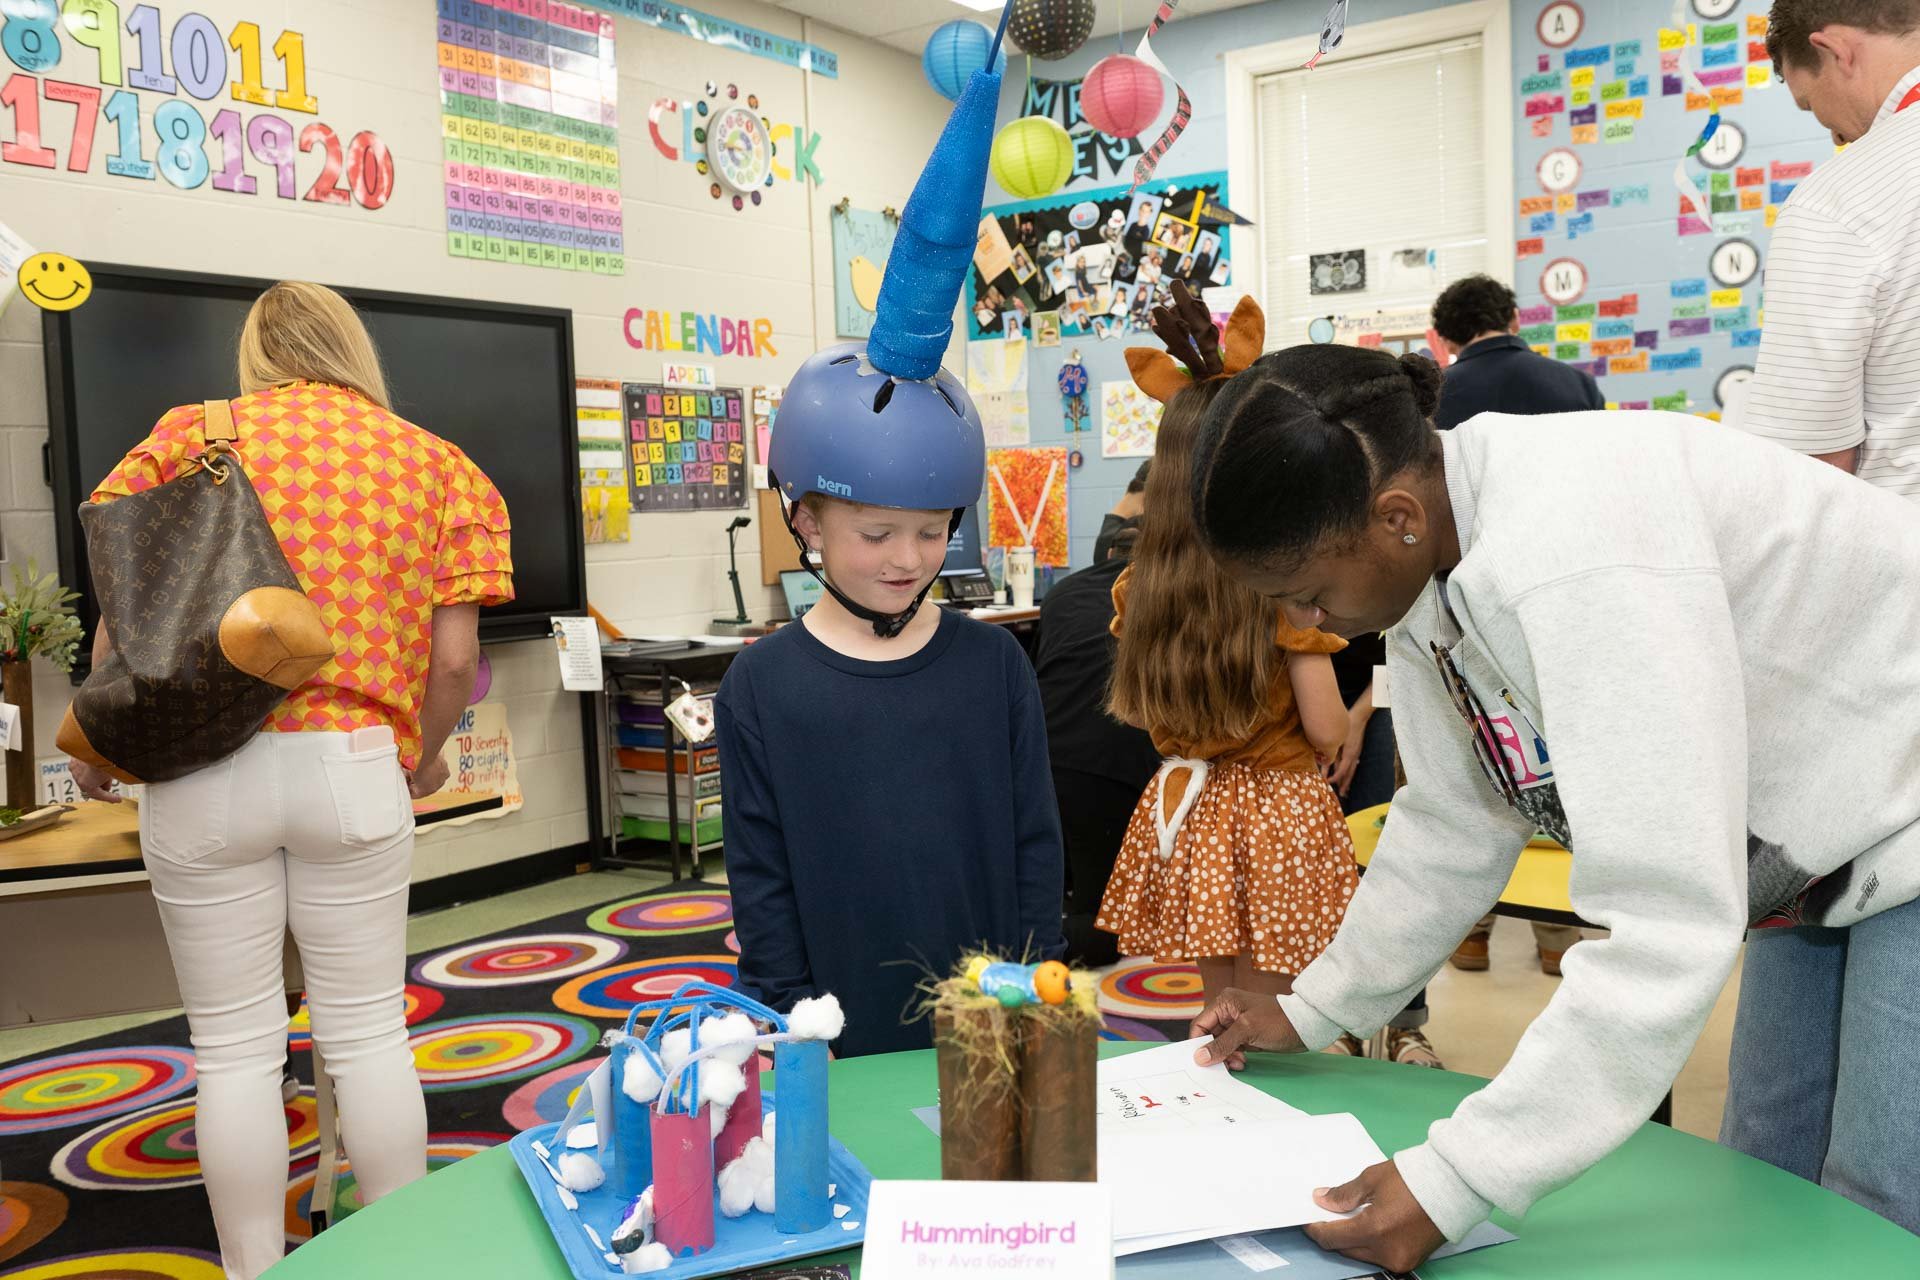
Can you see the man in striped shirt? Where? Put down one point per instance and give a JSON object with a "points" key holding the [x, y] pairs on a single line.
{"points": [[1839, 369]]}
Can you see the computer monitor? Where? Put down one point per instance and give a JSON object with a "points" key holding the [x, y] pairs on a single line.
{"points": [[964, 553], [802, 590]]}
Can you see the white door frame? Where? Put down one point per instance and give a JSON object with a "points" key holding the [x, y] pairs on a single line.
{"points": [[1488, 19]]}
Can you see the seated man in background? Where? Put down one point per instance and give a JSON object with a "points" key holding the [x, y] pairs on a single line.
{"points": [[1492, 370], [1125, 515], [1100, 766]]}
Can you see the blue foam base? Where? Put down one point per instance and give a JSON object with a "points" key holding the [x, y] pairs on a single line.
{"points": [[738, 1243]]}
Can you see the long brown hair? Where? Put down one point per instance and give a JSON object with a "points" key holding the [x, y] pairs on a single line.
{"points": [[1197, 653]]}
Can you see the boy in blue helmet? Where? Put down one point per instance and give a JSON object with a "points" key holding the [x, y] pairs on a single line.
{"points": [[889, 804]]}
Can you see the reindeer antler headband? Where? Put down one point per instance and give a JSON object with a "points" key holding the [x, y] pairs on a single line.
{"points": [[1193, 341]]}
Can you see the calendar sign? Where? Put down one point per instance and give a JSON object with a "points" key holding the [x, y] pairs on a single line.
{"points": [[689, 447], [57, 785]]}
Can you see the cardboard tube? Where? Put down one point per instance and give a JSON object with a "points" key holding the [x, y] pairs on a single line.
{"points": [[800, 1137], [979, 1098], [683, 1182], [1057, 1086], [632, 1169], [743, 1118]]}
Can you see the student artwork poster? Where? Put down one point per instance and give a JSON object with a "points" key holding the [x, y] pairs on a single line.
{"points": [[1129, 421], [1077, 253], [1027, 501]]}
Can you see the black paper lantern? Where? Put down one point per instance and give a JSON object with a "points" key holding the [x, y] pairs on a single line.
{"points": [[1050, 29]]}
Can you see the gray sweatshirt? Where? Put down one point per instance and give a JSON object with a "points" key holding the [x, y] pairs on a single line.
{"points": [[1699, 655]]}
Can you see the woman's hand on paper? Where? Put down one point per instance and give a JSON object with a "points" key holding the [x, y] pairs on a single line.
{"points": [[1390, 1231], [1240, 1020]]}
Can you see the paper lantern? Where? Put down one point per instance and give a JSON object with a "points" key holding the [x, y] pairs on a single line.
{"points": [[1050, 29], [1032, 157], [954, 52], [1121, 95]]}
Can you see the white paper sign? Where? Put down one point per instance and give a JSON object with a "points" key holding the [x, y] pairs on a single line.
{"points": [[577, 642], [1382, 691], [13, 252], [10, 727], [927, 1230]]}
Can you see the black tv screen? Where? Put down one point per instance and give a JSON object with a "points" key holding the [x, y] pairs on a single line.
{"points": [[496, 380]]}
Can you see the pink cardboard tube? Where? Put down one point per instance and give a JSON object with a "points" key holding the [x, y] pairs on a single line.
{"points": [[683, 1182], [743, 1119]]}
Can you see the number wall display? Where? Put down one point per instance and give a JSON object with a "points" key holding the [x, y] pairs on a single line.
{"points": [[530, 134], [188, 60], [689, 447]]}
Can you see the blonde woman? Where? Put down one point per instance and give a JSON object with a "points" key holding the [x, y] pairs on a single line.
{"points": [[399, 539]]}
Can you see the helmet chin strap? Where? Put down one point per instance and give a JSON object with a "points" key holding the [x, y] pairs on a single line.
{"points": [[885, 625]]}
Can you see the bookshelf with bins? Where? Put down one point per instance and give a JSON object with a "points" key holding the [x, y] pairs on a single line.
{"points": [[662, 790]]}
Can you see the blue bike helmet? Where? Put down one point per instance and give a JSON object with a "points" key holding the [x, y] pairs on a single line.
{"points": [[880, 422]]}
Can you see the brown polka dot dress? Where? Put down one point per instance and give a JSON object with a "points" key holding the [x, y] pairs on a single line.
{"points": [[1235, 848]]}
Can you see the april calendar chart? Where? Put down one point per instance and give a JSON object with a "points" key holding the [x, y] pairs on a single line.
{"points": [[530, 134], [689, 447]]}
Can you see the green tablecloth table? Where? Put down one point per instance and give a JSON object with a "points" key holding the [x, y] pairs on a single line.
{"points": [[1666, 1206]]}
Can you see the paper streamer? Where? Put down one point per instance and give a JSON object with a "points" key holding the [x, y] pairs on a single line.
{"points": [[1690, 193], [1332, 32], [1183, 108]]}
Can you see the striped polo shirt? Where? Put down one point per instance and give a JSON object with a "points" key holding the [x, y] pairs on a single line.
{"points": [[1840, 355]]}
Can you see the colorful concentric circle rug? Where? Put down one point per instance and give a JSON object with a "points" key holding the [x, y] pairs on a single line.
{"points": [[102, 1173]]}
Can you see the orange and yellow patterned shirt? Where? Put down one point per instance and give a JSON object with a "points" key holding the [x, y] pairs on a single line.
{"points": [[383, 522]]}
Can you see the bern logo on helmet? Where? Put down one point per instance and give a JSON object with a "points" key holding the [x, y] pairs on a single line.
{"points": [[834, 487]]}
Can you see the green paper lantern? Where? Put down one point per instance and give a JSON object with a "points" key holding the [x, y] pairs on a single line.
{"points": [[1032, 157]]}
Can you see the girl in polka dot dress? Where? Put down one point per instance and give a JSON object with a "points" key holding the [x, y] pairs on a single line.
{"points": [[1237, 858]]}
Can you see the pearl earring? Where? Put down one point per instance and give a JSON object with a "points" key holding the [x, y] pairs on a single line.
{"points": [[1408, 538]]}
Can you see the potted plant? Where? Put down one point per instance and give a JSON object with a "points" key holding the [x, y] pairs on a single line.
{"points": [[36, 617]]}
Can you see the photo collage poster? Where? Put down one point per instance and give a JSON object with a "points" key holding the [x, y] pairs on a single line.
{"points": [[1094, 263]]}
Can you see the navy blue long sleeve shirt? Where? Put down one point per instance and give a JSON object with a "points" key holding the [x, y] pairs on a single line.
{"points": [[883, 817]]}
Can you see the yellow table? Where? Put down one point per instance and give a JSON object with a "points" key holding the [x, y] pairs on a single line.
{"points": [[1537, 890]]}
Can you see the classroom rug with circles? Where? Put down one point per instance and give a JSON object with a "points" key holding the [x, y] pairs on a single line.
{"points": [[99, 1176]]}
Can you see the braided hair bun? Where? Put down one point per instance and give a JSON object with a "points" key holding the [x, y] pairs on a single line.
{"points": [[1426, 378]]}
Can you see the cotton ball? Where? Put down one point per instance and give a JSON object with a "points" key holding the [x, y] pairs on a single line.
{"points": [[580, 1171], [640, 1081], [766, 1126], [733, 1030], [721, 1082], [817, 1019], [763, 1193], [737, 1184], [648, 1257], [675, 1047], [718, 1119]]}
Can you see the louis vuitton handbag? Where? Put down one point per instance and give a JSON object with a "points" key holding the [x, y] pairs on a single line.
{"points": [[209, 625]]}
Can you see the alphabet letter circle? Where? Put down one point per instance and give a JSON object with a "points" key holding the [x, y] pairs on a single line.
{"points": [[1734, 263], [1559, 24], [1563, 281], [1558, 171]]}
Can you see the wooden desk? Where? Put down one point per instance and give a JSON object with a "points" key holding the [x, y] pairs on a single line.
{"points": [[95, 839]]}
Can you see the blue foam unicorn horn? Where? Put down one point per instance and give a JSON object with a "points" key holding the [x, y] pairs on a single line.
{"points": [[934, 246], [880, 422]]}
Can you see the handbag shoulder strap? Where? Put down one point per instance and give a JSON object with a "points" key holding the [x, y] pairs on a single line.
{"points": [[219, 421]]}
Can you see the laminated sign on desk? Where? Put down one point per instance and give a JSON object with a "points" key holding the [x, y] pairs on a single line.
{"points": [[930, 1230]]}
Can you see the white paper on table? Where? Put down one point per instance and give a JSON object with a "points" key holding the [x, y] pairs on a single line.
{"points": [[1164, 1088], [1255, 1175]]}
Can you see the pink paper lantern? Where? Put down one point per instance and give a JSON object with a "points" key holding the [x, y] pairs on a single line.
{"points": [[1121, 95]]}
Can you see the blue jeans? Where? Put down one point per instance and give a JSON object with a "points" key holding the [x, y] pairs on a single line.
{"points": [[1825, 1064]]}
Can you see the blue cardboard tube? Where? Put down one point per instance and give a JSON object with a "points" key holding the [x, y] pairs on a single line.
{"points": [[632, 1169], [800, 1137]]}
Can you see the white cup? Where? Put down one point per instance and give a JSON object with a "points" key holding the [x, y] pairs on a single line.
{"points": [[1019, 572]]}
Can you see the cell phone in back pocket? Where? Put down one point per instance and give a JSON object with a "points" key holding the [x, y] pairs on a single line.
{"points": [[377, 738]]}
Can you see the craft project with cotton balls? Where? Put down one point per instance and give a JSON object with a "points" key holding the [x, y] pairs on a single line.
{"points": [[640, 1081], [648, 1257]]}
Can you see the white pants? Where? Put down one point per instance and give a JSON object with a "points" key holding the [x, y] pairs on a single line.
{"points": [[297, 831]]}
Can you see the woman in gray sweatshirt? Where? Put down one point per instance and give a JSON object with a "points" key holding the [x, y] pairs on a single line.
{"points": [[1691, 656]]}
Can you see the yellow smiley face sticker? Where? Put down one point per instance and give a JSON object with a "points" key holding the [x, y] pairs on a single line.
{"points": [[55, 282]]}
